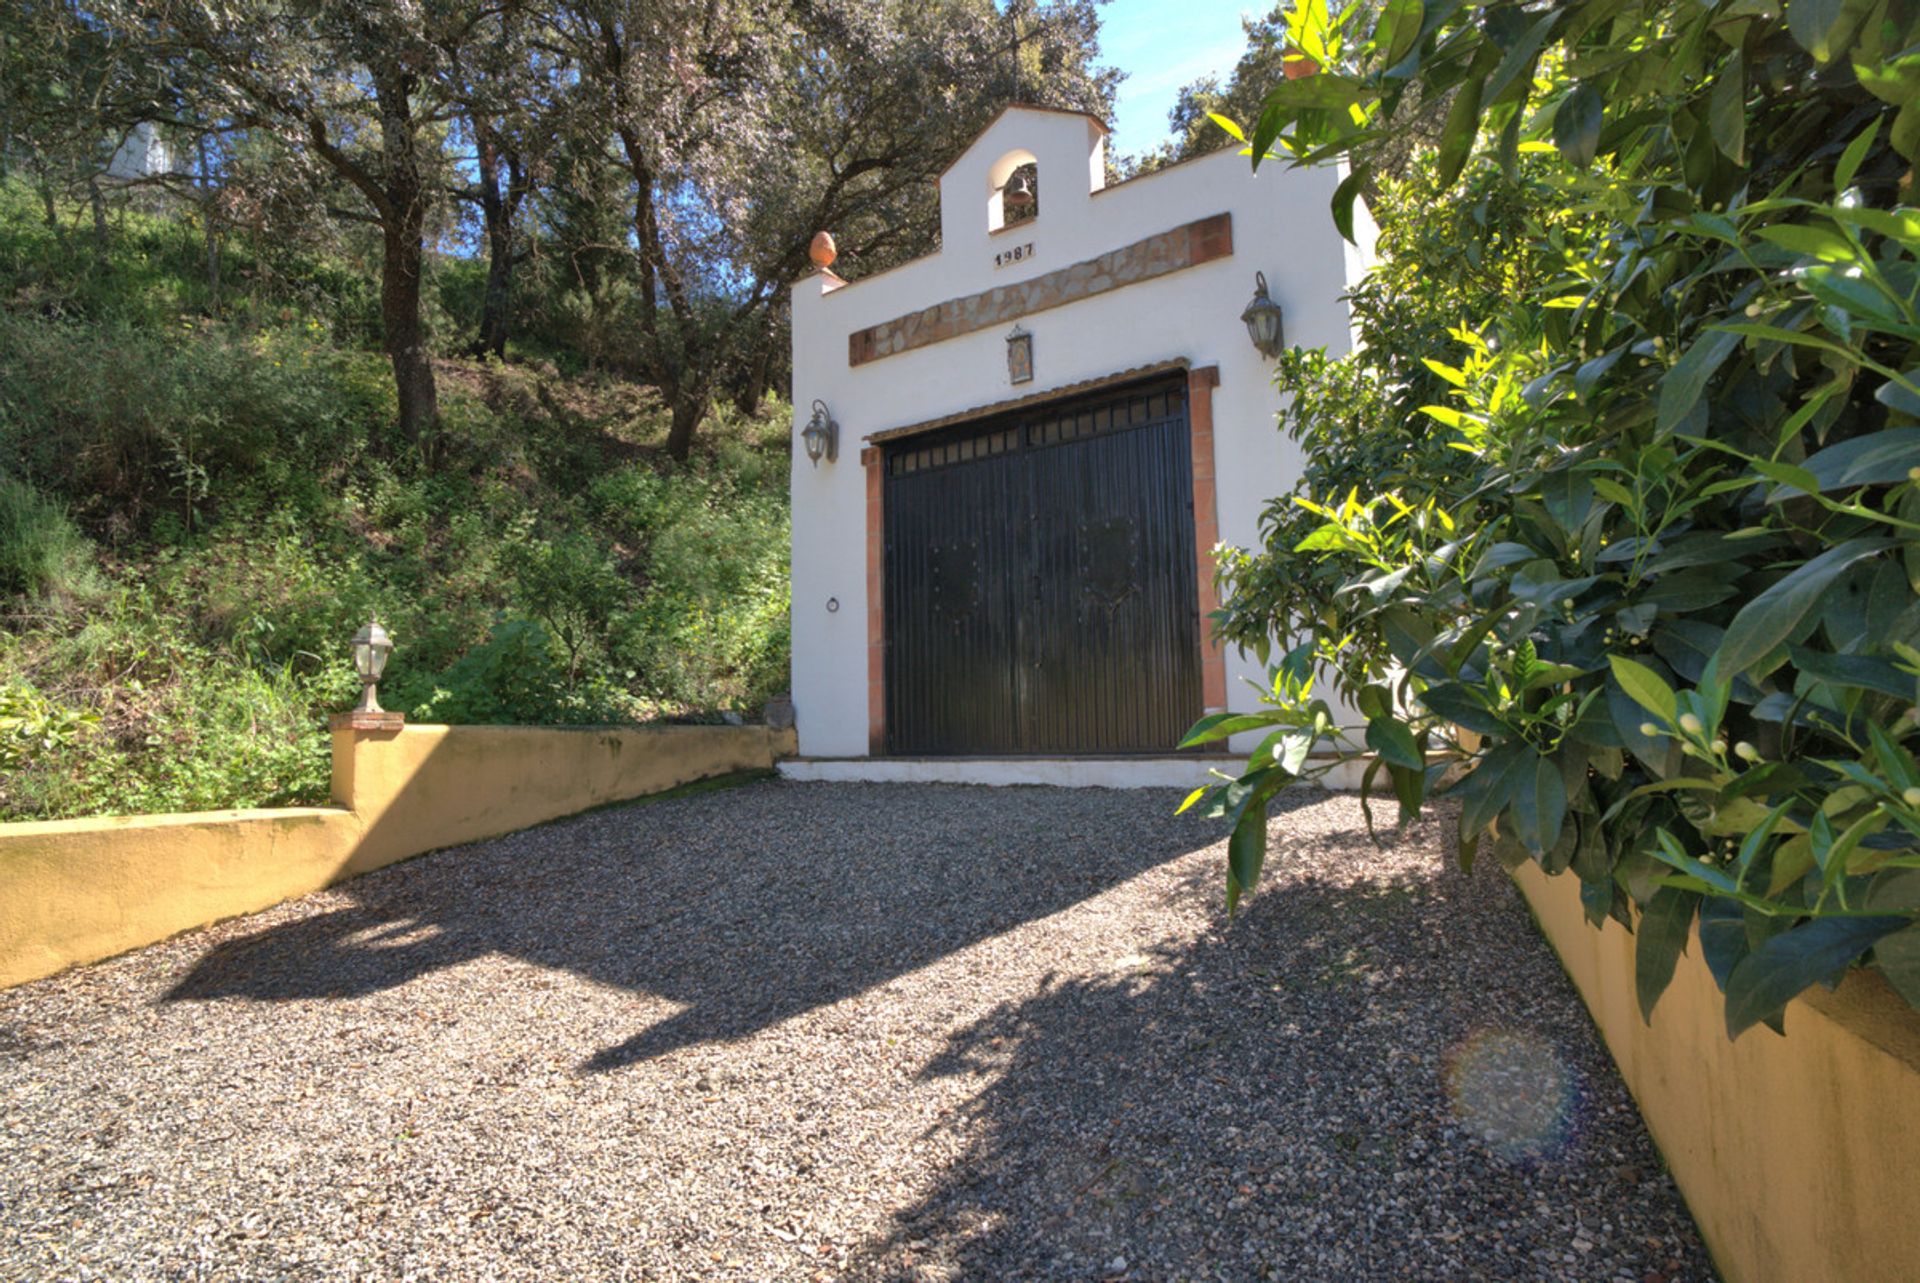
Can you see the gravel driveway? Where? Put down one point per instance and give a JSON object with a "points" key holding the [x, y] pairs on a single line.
{"points": [[798, 1031]]}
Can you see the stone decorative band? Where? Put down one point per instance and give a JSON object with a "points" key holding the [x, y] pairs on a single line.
{"points": [[1170, 251]]}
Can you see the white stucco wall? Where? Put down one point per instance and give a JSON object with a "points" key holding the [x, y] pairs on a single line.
{"points": [[1281, 226]]}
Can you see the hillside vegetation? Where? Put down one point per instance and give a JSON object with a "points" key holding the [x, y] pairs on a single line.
{"points": [[202, 498]]}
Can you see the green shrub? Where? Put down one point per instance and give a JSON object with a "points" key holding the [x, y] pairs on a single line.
{"points": [[1673, 594], [42, 553], [218, 501], [520, 675]]}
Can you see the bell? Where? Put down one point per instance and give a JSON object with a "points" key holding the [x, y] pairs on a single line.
{"points": [[1017, 195]]}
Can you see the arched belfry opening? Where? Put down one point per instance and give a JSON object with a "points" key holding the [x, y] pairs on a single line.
{"points": [[1013, 190]]}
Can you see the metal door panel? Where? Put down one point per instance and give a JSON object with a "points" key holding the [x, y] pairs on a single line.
{"points": [[1041, 591]]}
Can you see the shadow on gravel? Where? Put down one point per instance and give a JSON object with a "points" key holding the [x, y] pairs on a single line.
{"points": [[748, 906], [1358, 1079]]}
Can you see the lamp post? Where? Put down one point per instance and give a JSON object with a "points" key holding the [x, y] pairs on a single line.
{"points": [[371, 646], [1263, 319], [821, 435]]}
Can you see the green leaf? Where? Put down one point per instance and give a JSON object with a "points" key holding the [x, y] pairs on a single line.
{"points": [[1395, 743], [1290, 754], [1723, 938], [1905, 134], [1658, 943], [1247, 844], [1773, 616], [1457, 135], [1410, 787], [1486, 792], [1646, 687], [1232, 128], [1540, 806], [1812, 23], [1576, 125], [1896, 82], [1898, 958], [1879, 458], [1682, 386], [1246, 855], [1770, 977], [1218, 726], [1520, 58], [1461, 706], [1863, 672], [1568, 496], [1398, 29], [1856, 296], [1343, 198], [1816, 242], [1727, 110], [1849, 163]]}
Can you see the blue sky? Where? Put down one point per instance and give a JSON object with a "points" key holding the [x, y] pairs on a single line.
{"points": [[1163, 45]]}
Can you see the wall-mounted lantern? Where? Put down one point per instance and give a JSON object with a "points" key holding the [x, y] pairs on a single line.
{"points": [[371, 646], [821, 435], [1262, 318]]}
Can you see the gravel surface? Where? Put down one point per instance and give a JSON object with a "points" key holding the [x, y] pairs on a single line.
{"points": [[797, 1031]]}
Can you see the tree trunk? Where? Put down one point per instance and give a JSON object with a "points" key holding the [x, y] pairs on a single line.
{"points": [[403, 217], [689, 408], [99, 203], [497, 212], [208, 210], [495, 309], [406, 338], [747, 397], [213, 262], [48, 208]]}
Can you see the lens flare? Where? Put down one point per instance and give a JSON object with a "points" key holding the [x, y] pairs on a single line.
{"points": [[1511, 1091]]}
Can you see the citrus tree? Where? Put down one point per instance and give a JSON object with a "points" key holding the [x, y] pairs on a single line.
{"points": [[1670, 596]]}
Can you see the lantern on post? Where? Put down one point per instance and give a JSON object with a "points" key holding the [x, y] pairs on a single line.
{"points": [[1263, 319], [371, 646]]}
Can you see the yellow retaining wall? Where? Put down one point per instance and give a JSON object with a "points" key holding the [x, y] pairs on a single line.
{"points": [[74, 891], [1799, 1156]]}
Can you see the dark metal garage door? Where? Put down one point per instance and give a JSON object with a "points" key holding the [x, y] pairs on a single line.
{"points": [[1041, 592]]}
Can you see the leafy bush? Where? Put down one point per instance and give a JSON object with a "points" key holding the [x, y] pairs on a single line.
{"points": [[1672, 596], [216, 506], [42, 553], [520, 675], [1448, 260]]}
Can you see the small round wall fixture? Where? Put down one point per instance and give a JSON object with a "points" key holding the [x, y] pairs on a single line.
{"points": [[1263, 319], [821, 436], [833, 605], [371, 646]]}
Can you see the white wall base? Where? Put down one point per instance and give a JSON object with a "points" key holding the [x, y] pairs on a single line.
{"points": [[1061, 772]]}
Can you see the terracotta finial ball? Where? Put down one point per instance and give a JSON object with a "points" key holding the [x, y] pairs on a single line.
{"points": [[822, 251]]}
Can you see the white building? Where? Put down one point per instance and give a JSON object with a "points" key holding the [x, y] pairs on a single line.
{"points": [[143, 153], [1042, 430]]}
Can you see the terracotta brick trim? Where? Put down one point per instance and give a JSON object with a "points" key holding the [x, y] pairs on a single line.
{"points": [[871, 460], [1206, 532], [1144, 260]]}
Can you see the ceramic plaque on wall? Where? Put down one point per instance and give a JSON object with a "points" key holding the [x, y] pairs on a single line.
{"points": [[1020, 356]]}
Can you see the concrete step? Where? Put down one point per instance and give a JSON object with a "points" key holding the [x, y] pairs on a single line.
{"points": [[1183, 771]]}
